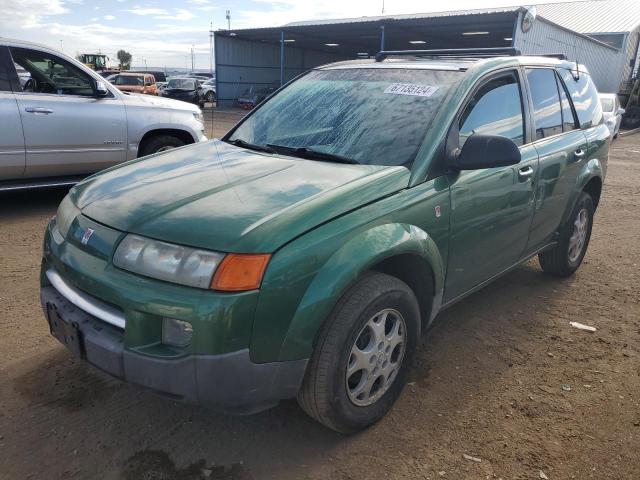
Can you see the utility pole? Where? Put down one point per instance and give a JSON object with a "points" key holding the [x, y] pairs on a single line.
{"points": [[211, 48], [61, 49], [193, 60], [228, 19], [382, 7]]}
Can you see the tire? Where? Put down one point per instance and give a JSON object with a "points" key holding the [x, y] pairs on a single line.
{"points": [[210, 97], [565, 258], [160, 143], [328, 391]]}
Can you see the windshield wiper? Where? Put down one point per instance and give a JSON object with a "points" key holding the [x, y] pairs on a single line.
{"points": [[311, 154], [250, 146]]}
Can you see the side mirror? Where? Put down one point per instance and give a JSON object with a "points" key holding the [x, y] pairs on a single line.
{"points": [[621, 111], [101, 89], [487, 151]]}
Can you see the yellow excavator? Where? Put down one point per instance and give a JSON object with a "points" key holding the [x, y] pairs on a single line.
{"points": [[95, 61]]}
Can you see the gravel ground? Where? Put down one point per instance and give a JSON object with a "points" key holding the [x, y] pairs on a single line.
{"points": [[501, 377]]}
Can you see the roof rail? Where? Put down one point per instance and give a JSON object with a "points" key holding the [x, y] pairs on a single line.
{"points": [[559, 56], [451, 52]]}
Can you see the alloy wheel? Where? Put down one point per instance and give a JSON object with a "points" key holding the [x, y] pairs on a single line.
{"points": [[579, 236], [376, 357]]}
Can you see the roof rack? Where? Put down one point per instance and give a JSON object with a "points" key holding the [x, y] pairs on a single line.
{"points": [[451, 52]]}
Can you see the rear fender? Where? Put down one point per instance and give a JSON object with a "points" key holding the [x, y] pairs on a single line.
{"points": [[592, 169]]}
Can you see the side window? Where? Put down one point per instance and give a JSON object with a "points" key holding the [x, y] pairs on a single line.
{"points": [[495, 109], [45, 73], [547, 115], [569, 121], [585, 98]]}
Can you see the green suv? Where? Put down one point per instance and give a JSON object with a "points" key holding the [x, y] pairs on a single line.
{"points": [[303, 254]]}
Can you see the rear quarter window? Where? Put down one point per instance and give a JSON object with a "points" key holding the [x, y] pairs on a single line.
{"points": [[584, 96]]}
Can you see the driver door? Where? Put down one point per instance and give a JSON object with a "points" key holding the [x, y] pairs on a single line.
{"points": [[67, 129]]}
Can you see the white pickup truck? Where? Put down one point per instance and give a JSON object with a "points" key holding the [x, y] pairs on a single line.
{"points": [[63, 121]]}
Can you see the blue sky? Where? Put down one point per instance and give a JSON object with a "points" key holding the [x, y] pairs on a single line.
{"points": [[163, 31]]}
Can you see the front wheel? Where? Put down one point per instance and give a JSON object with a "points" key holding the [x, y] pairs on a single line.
{"points": [[359, 364], [160, 143], [210, 97], [565, 258]]}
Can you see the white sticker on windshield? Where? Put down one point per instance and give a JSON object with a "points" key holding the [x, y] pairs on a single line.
{"points": [[411, 89]]}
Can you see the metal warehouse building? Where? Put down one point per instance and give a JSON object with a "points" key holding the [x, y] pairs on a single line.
{"points": [[615, 22], [263, 57]]}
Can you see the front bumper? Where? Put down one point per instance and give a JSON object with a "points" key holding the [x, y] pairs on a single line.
{"points": [[228, 382]]}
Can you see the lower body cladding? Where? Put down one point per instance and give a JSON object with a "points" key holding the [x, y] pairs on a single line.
{"points": [[228, 382]]}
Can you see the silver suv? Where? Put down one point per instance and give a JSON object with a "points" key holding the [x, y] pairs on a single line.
{"points": [[61, 121]]}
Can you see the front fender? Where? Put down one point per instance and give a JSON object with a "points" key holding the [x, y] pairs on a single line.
{"points": [[334, 276]]}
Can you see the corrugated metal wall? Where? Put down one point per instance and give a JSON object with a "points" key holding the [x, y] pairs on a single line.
{"points": [[241, 64], [605, 64]]}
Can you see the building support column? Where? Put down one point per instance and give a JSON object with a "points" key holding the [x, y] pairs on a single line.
{"points": [[281, 57], [381, 38]]}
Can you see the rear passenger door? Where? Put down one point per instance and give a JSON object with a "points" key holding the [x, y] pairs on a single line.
{"points": [[12, 151], [562, 150]]}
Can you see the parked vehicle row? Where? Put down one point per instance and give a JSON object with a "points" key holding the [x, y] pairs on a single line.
{"points": [[64, 120], [303, 254]]}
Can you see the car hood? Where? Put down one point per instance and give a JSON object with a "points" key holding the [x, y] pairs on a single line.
{"points": [[141, 100], [220, 197]]}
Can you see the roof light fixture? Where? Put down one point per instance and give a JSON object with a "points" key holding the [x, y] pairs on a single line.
{"points": [[417, 42], [475, 33], [508, 39], [289, 40], [332, 44]]}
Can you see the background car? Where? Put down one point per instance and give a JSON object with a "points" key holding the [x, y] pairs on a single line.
{"points": [[252, 96], [66, 121], [201, 76], [208, 90], [612, 112], [185, 89], [136, 83], [158, 75]]}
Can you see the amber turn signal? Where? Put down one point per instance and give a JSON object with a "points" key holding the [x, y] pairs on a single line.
{"points": [[239, 272]]}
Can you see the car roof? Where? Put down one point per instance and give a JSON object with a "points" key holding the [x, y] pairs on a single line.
{"points": [[453, 63]]}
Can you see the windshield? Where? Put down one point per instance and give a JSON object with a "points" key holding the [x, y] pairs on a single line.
{"points": [[129, 80], [374, 116], [607, 104], [182, 84]]}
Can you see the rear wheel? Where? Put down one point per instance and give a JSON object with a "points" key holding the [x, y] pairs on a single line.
{"points": [[160, 143], [360, 361], [565, 258], [210, 97]]}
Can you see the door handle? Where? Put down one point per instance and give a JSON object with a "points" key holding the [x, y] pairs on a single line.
{"points": [[525, 173], [580, 153], [38, 110]]}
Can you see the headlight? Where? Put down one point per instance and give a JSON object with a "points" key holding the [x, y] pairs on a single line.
{"points": [[67, 212], [164, 261], [199, 117]]}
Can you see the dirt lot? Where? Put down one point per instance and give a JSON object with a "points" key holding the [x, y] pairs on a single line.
{"points": [[501, 377]]}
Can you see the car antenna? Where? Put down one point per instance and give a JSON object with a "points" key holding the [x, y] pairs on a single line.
{"points": [[577, 74]]}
